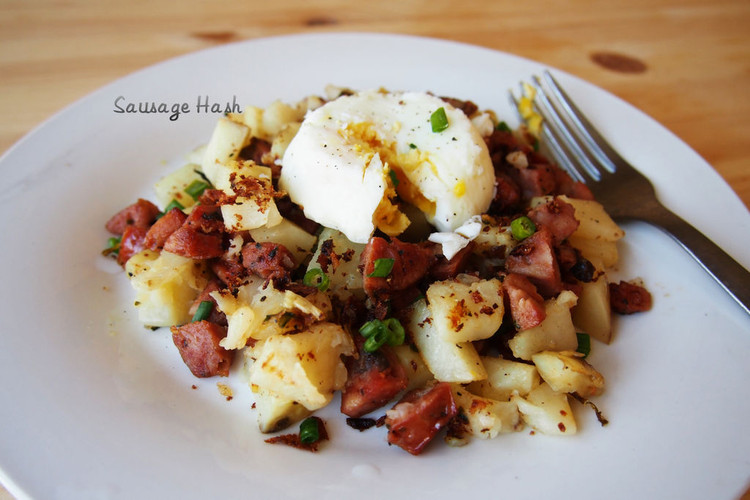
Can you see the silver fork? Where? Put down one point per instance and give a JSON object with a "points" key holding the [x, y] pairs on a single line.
{"points": [[623, 191]]}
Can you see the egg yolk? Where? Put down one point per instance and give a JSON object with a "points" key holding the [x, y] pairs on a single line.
{"points": [[364, 138]]}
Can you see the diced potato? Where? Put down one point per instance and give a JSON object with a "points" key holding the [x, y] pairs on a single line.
{"points": [[595, 222], [569, 372], [494, 240], [485, 417], [309, 103], [242, 319], [504, 377], [259, 311], [555, 333], [287, 233], [547, 411], [166, 286], [596, 235], [414, 366], [172, 186], [226, 142], [231, 173], [267, 123], [276, 413], [343, 273], [242, 322], [254, 205], [596, 250], [252, 117], [448, 361], [236, 243], [282, 140], [305, 367], [247, 213], [277, 115], [592, 314], [466, 310]]}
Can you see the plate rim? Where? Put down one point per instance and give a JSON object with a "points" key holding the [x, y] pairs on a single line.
{"points": [[51, 120]]}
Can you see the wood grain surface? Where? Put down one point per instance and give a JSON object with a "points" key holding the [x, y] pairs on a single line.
{"points": [[686, 63]]}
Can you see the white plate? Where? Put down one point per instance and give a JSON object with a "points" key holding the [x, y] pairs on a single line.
{"points": [[94, 406]]}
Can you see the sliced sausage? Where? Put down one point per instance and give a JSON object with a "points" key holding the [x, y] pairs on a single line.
{"points": [[140, 214], [163, 228], [410, 263], [535, 258], [629, 298], [199, 347], [374, 379], [417, 418], [270, 261]]}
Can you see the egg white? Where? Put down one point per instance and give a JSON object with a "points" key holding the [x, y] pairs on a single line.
{"points": [[351, 156]]}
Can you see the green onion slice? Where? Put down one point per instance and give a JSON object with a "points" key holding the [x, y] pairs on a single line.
{"points": [[394, 178], [522, 227], [285, 318], [439, 120], [203, 311], [113, 246], [383, 268], [502, 127], [379, 333], [317, 278], [369, 328], [172, 204], [202, 175], [376, 340], [584, 344], [308, 430], [397, 335], [196, 188]]}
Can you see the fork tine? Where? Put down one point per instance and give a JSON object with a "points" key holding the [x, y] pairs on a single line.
{"points": [[559, 153], [553, 143], [560, 130], [624, 192], [595, 143]]}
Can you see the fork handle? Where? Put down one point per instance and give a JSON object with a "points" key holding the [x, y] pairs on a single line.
{"points": [[730, 274]]}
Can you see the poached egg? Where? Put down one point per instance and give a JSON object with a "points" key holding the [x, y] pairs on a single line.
{"points": [[357, 157]]}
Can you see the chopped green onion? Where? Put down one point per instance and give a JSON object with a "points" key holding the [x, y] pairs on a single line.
{"points": [[285, 318], [397, 335], [370, 328], [196, 188], [203, 311], [308, 430], [584, 344], [113, 246], [394, 178], [439, 120], [383, 268], [502, 127], [173, 204], [317, 278], [412, 145], [203, 176], [522, 227], [379, 333], [376, 340]]}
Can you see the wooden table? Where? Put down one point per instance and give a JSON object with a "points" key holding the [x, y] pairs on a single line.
{"points": [[684, 62]]}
